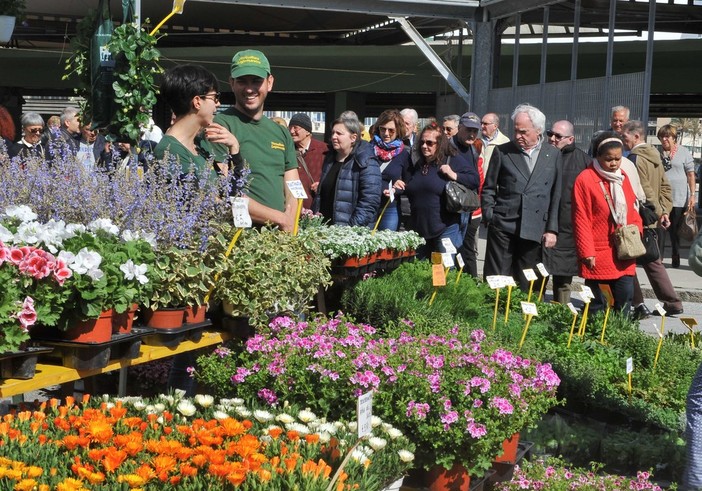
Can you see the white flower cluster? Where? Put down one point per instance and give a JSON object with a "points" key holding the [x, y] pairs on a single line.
{"points": [[337, 241]]}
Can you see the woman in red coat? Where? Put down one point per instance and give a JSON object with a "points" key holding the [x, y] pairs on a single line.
{"points": [[594, 224]]}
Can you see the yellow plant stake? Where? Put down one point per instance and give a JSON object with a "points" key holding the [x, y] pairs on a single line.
{"points": [[391, 198], [629, 370], [297, 217], [177, 9], [510, 283], [496, 283], [461, 264], [226, 254], [586, 295], [660, 342], [572, 326], [690, 323], [529, 310], [298, 192], [607, 292], [531, 278]]}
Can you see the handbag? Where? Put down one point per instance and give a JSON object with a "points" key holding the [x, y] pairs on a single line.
{"points": [[649, 238], [626, 238], [688, 225], [460, 199]]}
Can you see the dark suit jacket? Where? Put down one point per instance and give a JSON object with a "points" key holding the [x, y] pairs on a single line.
{"points": [[518, 202]]}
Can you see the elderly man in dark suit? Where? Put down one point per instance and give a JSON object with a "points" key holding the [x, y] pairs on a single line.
{"points": [[520, 198]]}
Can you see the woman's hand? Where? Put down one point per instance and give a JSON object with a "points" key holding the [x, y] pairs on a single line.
{"points": [[399, 184], [216, 133], [448, 172], [589, 262]]}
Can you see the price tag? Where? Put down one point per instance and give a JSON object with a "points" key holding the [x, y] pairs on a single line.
{"points": [[296, 189], [583, 296], [460, 261], [629, 365], [240, 211], [660, 309], [447, 259], [529, 308], [530, 275], [438, 275], [448, 245], [495, 281], [542, 270], [364, 414], [508, 281], [436, 258], [391, 189], [572, 308], [690, 322], [607, 292], [586, 290]]}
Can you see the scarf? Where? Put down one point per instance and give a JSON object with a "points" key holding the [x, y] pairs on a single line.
{"points": [[387, 151], [616, 190]]}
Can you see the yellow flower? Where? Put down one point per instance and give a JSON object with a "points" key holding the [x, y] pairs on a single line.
{"points": [[25, 485], [132, 480], [34, 471]]}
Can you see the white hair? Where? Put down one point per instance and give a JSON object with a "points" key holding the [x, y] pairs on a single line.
{"points": [[538, 119], [621, 109], [411, 113]]}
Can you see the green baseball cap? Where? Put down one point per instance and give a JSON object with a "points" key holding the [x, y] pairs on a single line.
{"points": [[250, 62]]}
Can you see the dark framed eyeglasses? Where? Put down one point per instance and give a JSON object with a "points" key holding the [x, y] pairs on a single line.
{"points": [[215, 96], [449, 129], [428, 143], [558, 137]]}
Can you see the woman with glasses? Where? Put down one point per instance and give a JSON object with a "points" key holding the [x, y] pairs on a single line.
{"points": [[31, 145], [394, 159], [680, 170], [350, 186], [191, 92], [425, 184]]}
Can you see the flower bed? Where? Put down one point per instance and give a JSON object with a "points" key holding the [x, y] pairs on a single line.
{"points": [[173, 443]]}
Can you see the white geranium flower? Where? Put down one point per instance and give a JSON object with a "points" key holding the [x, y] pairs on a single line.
{"points": [[22, 212], [284, 418], [67, 257], [394, 433], [148, 237], [95, 274], [306, 416], [6, 236], [220, 415], [85, 261], [28, 232], [128, 235], [132, 271], [73, 229], [405, 455], [298, 427], [186, 408], [104, 224], [262, 416], [204, 400], [377, 443]]}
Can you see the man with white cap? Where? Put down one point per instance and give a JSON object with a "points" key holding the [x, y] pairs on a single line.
{"points": [[266, 146]]}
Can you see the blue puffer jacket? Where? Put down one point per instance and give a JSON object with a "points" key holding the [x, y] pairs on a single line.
{"points": [[358, 187]]}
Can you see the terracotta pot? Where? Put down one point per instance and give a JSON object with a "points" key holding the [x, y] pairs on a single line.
{"points": [[92, 330], [170, 318], [509, 450], [122, 323], [454, 479], [195, 315]]}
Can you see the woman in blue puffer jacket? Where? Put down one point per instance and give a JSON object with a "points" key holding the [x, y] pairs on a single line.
{"points": [[350, 187]]}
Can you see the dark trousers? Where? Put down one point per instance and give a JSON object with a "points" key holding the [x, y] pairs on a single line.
{"points": [[562, 286], [622, 290], [662, 287], [676, 215], [507, 254], [469, 248]]}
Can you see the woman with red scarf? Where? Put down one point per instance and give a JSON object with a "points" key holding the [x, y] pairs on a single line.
{"points": [[394, 160]]}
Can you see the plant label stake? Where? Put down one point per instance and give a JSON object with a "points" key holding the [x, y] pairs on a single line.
{"points": [[572, 326], [629, 370], [607, 292], [529, 310], [298, 191], [438, 275], [586, 295], [364, 414], [531, 277], [177, 9], [391, 198], [690, 323], [495, 282], [544, 278], [509, 281], [660, 343], [461, 265]]}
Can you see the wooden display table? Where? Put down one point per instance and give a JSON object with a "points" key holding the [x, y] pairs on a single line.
{"points": [[47, 375]]}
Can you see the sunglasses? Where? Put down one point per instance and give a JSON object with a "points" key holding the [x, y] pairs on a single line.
{"points": [[558, 137], [449, 129], [383, 129], [428, 143], [215, 96], [35, 131]]}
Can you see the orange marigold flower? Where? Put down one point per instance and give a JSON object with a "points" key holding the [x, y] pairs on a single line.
{"points": [[232, 427], [247, 445], [34, 471], [113, 459], [293, 435], [25, 485], [70, 401], [118, 412], [290, 463], [314, 438], [164, 464], [247, 424], [146, 472], [70, 442], [275, 432], [44, 487], [175, 480], [86, 399], [237, 474], [199, 460], [99, 431], [188, 470]]}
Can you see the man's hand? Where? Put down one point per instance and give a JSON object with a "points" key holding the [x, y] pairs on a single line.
{"points": [[549, 239]]}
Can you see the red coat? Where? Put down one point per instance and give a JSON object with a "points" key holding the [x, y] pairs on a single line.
{"points": [[593, 225], [314, 158]]}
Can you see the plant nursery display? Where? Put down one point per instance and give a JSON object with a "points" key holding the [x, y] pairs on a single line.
{"points": [[171, 442]]}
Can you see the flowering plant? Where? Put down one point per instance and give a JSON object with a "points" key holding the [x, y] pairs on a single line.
{"points": [[457, 395], [555, 475], [171, 442], [341, 242]]}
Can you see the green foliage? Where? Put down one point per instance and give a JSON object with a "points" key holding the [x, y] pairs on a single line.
{"points": [[182, 277], [13, 8], [78, 63]]}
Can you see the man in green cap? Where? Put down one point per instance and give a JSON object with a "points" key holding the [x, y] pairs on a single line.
{"points": [[266, 146]]}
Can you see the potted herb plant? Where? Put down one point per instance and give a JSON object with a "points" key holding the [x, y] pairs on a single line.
{"points": [[10, 11]]}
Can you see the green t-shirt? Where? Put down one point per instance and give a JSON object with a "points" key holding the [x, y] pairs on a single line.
{"points": [[184, 157], [269, 150]]}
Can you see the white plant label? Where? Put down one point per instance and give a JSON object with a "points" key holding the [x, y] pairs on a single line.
{"points": [[572, 308], [629, 365], [586, 291], [296, 189], [460, 261], [542, 269], [240, 211], [530, 275], [391, 191], [529, 308], [495, 282], [448, 245], [583, 296], [509, 281], [364, 414], [447, 259], [660, 309]]}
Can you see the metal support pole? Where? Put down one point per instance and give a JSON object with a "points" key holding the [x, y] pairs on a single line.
{"points": [[649, 63], [515, 56], [574, 59], [544, 58], [610, 56], [433, 58]]}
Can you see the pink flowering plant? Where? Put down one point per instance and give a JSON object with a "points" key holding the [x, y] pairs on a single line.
{"points": [[456, 395], [556, 475]]}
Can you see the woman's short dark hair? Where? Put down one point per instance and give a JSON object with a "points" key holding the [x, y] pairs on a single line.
{"points": [[615, 142], [444, 149], [394, 116], [183, 82]]}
